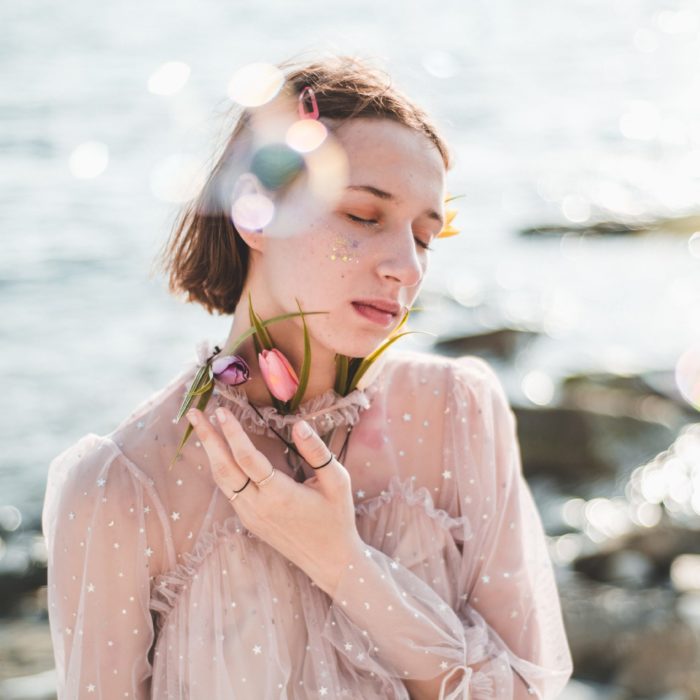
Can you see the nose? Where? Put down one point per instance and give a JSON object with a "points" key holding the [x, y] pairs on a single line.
{"points": [[400, 260]]}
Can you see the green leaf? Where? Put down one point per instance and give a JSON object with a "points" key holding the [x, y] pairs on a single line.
{"points": [[305, 367], [197, 383], [357, 362], [367, 361], [341, 373], [201, 405], [231, 349], [260, 330]]}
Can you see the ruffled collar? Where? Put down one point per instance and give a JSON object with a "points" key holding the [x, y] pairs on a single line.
{"points": [[323, 412]]}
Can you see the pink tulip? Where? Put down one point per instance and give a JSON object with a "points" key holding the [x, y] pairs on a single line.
{"points": [[279, 376]]}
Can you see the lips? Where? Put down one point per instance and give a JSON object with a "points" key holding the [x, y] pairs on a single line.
{"points": [[385, 305]]}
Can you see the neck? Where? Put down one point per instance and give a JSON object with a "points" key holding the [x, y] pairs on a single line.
{"points": [[288, 337]]}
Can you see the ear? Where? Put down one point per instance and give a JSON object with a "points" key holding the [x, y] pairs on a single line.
{"points": [[252, 209], [253, 238]]}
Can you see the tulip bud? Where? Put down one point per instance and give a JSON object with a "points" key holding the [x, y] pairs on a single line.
{"points": [[278, 374], [231, 370]]}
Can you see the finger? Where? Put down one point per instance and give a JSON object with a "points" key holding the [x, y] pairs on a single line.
{"points": [[315, 451], [248, 457], [227, 474]]}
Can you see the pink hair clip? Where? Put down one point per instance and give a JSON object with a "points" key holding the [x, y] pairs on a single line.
{"points": [[308, 94]]}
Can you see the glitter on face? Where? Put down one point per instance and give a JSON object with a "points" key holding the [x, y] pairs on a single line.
{"points": [[342, 250]]}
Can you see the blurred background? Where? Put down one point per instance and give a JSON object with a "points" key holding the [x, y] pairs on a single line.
{"points": [[575, 128]]}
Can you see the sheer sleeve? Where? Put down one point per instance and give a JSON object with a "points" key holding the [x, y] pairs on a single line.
{"points": [[97, 521], [480, 611]]}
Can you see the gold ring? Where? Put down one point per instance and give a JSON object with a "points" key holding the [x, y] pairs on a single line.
{"points": [[267, 478]]}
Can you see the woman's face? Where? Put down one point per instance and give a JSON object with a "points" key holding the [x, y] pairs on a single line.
{"points": [[370, 245]]}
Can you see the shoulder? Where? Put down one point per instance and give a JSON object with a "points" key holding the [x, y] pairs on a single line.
{"points": [[454, 390], [157, 405], [409, 368], [86, 458], [75, 478]]}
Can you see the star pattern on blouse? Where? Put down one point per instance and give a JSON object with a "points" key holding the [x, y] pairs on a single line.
{"points": [[451, 470]]}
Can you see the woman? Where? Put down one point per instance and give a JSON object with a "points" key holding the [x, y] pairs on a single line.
{"points": [[404, 556]]}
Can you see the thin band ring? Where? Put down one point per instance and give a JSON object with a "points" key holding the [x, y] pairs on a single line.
{"points": [[330, 459], [266, 479], [235, 493]]}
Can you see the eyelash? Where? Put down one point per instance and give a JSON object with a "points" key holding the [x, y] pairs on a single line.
{"points": [[370, 222]]}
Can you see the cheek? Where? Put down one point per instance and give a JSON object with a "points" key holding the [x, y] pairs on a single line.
{"points": [[343, 250]]}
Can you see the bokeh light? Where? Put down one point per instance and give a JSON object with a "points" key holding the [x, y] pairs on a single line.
{"points": [[688, 376], [88, 160], [694, 245], [251, 208], [169, 78], [306, 135], [685, 572], [538, 386], [255, 84]]}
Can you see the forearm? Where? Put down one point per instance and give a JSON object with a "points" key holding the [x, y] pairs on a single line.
{"points": [[386, 620], [404, 626]]}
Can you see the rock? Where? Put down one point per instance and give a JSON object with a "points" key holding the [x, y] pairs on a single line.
{"points": [[648, 551], [683, 225], [661, 657], [646, 397], [583, 450], [633, 641], [503, 343], [40, 686], [22, 568]]}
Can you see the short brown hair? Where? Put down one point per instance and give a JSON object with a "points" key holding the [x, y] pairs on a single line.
{"points": [[205, 257]]}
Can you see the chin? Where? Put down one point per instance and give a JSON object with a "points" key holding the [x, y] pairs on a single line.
{"points": [[361, 345]]}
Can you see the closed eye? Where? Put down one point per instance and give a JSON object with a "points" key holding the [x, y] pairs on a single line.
{"points": [[372, 222]]}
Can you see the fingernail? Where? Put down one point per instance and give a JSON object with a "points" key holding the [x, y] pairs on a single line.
{"points": [[304, 429], [221, 415], [192, 417]]}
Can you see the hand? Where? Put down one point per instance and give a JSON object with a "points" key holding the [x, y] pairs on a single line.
{"points": [[311, 524]]}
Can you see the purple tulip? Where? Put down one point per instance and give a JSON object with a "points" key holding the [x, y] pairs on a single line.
{"points": [[231, 370]]}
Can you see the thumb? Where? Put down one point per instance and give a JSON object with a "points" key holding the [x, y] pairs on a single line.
{"points": [[315, 451]]}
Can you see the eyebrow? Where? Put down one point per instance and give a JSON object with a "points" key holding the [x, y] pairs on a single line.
{"points": [[431, 213]]}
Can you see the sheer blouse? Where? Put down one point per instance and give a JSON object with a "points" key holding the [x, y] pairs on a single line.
{"points": [[156, 589]]}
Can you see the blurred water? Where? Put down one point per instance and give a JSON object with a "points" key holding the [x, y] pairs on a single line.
{"points": [[552, 109]]}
